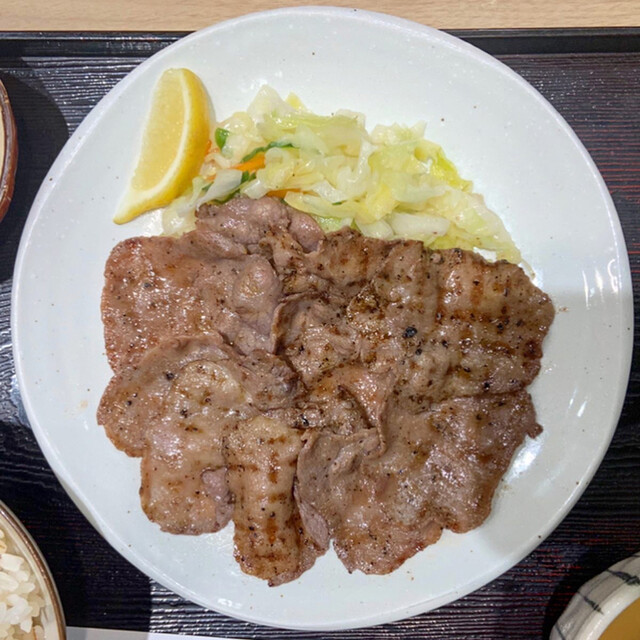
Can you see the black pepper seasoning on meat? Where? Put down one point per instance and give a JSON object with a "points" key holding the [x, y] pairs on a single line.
{"points": [[409, 332]]}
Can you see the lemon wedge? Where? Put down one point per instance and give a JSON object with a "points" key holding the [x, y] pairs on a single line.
{"points": [[174, 144]]}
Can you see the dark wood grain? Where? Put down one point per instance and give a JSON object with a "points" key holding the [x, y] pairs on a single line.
{"points": [[54, 81]]}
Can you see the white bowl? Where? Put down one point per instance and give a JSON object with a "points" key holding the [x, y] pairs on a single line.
{"points": [[599, 602]]}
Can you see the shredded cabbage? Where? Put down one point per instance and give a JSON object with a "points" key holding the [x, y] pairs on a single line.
{"points": [[390, 183]]}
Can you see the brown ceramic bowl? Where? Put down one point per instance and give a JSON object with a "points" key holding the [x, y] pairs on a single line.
{"points": [[22, 544], [8, 151]]}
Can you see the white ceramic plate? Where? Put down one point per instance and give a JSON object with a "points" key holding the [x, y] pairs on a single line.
{"points": [[500, 132]]}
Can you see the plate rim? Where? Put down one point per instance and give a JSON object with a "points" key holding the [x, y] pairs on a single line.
{"points": [[77, 140]]}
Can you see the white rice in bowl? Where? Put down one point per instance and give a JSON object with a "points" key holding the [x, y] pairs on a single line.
{"points": [[21, 600]]}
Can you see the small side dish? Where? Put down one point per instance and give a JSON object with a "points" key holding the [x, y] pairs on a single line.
{"points": [[605, 608], [8, 151], [30, 607]]}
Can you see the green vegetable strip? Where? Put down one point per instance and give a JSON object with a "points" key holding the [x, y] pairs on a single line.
{"points": [[271, 145], [221, 136]]}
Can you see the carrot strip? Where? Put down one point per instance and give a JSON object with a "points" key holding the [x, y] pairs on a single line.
{"points": [[281, 193], [257, 162]]}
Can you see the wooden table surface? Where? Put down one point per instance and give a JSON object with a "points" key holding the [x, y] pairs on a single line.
{"points": [[169, 15], [54, 80]]}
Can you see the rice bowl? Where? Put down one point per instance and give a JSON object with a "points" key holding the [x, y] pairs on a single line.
{"points": [[29, 602]]}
